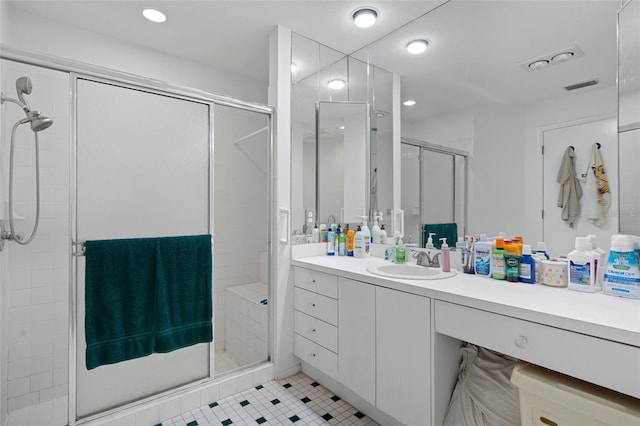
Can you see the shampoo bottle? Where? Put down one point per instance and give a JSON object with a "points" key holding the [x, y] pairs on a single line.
{"points": [[446, 256], [498, 270], [331, 241], [358, 244], [367, 237], [581, 265]]}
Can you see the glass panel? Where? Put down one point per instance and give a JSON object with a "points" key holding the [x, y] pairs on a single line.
{"points": [[241, 223], [142, 171], [410, 185], [438, 187]]}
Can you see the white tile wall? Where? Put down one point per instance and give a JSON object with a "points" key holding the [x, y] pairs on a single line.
{"points": [[37, 274], [247, 326]]}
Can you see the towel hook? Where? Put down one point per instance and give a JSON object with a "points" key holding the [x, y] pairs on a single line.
{"points": [[572, 148], [598, 145]]}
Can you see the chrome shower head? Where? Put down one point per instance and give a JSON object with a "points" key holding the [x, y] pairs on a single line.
{"points": [[39, 122], [24, 87]]}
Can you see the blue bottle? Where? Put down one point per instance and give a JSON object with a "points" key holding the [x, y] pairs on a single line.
{"points": [[527, 266]]}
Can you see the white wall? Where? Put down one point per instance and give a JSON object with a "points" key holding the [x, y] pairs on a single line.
{"points": [[504, 165], [36, 34]]}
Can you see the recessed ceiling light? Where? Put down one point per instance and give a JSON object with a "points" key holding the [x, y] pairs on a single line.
{"points": [[562, 56], [416, 47], [409, 102], [341, 127], [538, 64], [154, 15], [336, 84], [364, 17]]}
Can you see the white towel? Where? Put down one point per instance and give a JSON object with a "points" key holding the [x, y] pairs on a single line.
{"points": [[597, 197], [570, 191]]}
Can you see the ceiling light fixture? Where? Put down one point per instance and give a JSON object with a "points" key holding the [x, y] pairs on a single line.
{"points": [[416, 47], [409, 102], [564, 56], [364, 17], [154, 15], [538, 64], [336, 84], [341, 127]]}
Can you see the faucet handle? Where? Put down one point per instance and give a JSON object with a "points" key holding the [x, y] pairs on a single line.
{"points": [[435, 263]]}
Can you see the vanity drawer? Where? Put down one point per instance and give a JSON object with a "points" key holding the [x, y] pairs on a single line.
{"points": [[316, 330], [318, 282], [316, 305], [315, 355], [612, 365]]}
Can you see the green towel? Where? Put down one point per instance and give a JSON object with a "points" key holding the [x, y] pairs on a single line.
{"points": [[146, 295], [442, 230]]}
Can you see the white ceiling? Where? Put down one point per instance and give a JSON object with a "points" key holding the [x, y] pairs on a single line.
{"points": [[231, 35], [476, 45]]}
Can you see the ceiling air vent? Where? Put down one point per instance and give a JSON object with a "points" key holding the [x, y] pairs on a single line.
{"points": [[581, 85]]}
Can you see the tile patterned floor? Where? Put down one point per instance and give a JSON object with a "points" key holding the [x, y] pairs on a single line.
{"points": [[297, 400]]}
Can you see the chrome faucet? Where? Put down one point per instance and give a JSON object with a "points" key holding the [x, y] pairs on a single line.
{"points": [[424, 259]]}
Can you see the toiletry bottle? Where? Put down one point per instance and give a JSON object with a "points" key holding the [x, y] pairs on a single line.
{"points": [[498, 270], [383, 235], [512, 266], [468, 267], [602, 260], [400, 252], [375, 231], [336, 241], [331, 241], [519, 241], [351, 234], [342, 244], [446, 259], [581, 266], [460, 252], [527, 266], [358, 244], [316, 234], [542, 248], [482, 251], [323, 233], [367, 237], [622, 277]]}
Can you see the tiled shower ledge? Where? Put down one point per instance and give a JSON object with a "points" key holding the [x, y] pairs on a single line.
{"points": [[297, 400]]}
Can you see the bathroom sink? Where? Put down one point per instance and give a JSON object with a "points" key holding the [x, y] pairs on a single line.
{"points": [[409, 272]]}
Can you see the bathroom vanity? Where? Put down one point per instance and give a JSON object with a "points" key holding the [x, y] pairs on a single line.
{"points": [[392, 344]]}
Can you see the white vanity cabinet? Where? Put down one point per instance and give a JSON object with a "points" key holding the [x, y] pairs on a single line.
{"points": [[316, 319], [357, 338], [403, 366]]}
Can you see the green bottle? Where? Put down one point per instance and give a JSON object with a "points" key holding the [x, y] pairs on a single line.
{"points": [[498, 269]]}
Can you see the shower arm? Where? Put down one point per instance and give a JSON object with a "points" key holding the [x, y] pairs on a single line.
{"points": [[24, 105]]}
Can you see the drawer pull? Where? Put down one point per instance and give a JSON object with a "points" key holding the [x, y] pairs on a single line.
{"points": [[313, 330], [312, 305], [521, 341], [313, 355], [546, 421], [313, 281]]}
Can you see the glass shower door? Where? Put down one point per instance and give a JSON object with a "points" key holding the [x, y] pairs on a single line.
{"points": [[143, 170]]}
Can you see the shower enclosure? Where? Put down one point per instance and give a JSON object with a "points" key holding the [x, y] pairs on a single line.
{"points": [[127, 158]]}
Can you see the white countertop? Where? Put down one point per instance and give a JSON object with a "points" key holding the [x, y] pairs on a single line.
{"points": [[593, 314]]}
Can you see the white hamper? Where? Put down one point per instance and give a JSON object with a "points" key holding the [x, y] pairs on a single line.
{"points": [[548, 398]]}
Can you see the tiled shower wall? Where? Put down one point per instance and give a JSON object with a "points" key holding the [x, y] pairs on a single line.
{"points": [[37, 275]]}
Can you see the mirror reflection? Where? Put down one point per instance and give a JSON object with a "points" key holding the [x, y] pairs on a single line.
{"points": [[498, 77]]}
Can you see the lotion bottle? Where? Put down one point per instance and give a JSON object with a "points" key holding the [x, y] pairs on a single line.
{"points": [[446, 256], [358, 244], [367, 237], [581, 266]]}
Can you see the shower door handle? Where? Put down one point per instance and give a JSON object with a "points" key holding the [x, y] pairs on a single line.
{"points": [[284, 211]]}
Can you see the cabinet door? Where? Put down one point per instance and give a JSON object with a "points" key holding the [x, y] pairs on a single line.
{"points": [[356, 337], [403, 356]]}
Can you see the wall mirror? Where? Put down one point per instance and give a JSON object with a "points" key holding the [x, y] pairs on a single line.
{"points": [[629, 115], [494, 76], [342, 166]]}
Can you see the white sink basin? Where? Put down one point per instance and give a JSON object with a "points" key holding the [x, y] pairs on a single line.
{"points": [[409, 272]]}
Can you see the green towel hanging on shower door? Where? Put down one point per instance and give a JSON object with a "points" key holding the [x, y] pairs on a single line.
{"points": [[146, 295]]}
